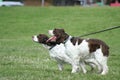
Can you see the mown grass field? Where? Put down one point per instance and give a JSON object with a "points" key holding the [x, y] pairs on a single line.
{"points": [[22, 59]]}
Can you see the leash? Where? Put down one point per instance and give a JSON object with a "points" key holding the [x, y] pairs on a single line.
{"points": [[111, 28]]}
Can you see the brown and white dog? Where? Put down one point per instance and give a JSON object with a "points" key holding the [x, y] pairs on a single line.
{"points": [[82, 50], [57, 51]]}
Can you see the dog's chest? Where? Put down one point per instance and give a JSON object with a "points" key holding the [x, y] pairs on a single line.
{"points": [[58, 52], [77, 49]]}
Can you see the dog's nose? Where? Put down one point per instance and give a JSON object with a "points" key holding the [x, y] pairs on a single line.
{"points": [[32, 37]]}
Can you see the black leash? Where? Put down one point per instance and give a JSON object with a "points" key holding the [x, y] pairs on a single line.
{"points": [[115, 27]]}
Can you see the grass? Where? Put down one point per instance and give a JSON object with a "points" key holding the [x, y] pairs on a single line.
{"points": [[22, 59]]}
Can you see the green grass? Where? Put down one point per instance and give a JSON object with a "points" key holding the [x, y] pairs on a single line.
{"points": [[22, 59]]}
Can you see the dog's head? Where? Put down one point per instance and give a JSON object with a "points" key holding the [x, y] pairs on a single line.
{"points": [[58, 35], [41, 38]]}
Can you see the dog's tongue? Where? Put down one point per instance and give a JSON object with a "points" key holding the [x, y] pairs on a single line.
{"points": [[52, 39]]}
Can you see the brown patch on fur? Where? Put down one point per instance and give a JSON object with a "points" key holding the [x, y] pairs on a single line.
{"points": [[61, 35], [43, 39], [76, 39], [95, 44]]}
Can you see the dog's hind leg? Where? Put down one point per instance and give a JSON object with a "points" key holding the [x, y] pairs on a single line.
{"points": [[102, 60], [93, 66], [104, 66], [93, 61]]}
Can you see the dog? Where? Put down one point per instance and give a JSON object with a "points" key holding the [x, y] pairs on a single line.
{"points": [[82, 50], [56, 51]]}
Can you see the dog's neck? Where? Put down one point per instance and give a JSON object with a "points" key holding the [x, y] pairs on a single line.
{"points": [[67, 39], [48, 46], [62, 38]]}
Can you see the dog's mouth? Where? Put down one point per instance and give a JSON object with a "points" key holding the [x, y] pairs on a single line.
{"points": [[52, 39]]}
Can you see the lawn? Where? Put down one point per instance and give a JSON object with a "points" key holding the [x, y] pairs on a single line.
{"points": [[22, 59]]}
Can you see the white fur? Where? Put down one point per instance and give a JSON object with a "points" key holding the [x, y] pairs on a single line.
{"points": [[80, 54], [50, 32], [58, 53], [35, 38], [76, 55]]}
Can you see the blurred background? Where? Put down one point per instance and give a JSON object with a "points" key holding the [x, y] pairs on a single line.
{"points": [[61, 2]]}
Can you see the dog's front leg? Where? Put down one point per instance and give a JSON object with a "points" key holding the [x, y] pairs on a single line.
{"points": [[82, 65], [60, 66], [75, 66]]}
